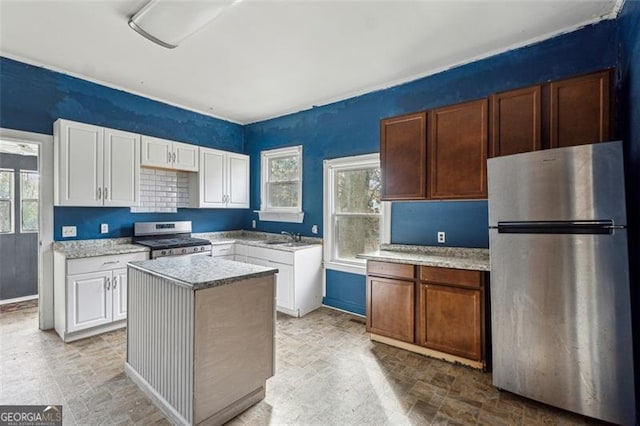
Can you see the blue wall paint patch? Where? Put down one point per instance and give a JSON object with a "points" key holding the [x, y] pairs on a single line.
{"points": [[345, 291], [120, 220], [464, 222]]}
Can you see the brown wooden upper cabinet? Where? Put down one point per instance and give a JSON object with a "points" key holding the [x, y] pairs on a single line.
{"points": [[403, 157], [457, 162], [516, 121], [580, 110]]}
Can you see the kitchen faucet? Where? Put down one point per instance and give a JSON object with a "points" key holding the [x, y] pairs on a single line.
{"points": [[294, 237]]}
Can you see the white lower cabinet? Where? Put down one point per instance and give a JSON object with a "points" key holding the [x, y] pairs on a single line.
{"points": [[299, 277], [223, 251], [90, 294]]}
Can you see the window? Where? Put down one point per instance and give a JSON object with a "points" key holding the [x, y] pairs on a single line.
{"points": [[6, 201], [281, 187], [29, 184], [354, 217]]}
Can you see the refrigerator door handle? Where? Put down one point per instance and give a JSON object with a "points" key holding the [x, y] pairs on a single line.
{"points": [[559, 227]]}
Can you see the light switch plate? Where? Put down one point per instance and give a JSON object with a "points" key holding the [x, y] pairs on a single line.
{"points": [[441, 237], [253, 224], [104, 228], [69, 231], [314, 229]]}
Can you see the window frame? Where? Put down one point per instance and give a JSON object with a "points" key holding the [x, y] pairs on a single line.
{"points": [[11, 200], [330, 170], [279, 214], [22, 199]]}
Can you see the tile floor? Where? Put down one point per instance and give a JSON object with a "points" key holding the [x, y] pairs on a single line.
{"points": [[328, 372]]}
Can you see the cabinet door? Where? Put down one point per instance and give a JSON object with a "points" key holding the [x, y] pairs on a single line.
{"points": [[458, 151], [212, 178], [156, 152], [450, 320], [185, 157], [119, 290], [237, 181], [390, 308], [580, 110], [516, 121], [79, 164], [285, 292], [89, 300], [121, 168], [403, 157]]}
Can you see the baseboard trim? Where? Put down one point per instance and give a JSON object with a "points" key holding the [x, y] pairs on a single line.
{"points": [[83, 334], [18, 299], [340, 305], [479, 365], [343, 310]]}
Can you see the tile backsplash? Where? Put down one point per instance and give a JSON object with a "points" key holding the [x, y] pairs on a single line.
{"points": [[162, 191]]}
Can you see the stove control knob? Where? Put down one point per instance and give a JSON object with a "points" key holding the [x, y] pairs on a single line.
{"points": [[184, 250], [201, 248], [163, 252]]}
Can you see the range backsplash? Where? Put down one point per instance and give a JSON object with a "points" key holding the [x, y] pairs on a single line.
{"points": [[162, 191]]}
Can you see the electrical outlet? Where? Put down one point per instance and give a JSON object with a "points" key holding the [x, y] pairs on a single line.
{"points": [[441, 237], [104, 228], [253, 224], [69, 231], [314, 229]]}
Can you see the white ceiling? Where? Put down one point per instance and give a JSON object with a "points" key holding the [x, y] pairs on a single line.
{"points": [[265, 58]]}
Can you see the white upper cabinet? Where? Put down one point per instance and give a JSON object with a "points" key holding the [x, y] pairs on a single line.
{"points": [[95, 166], [168, 154], [222, 182]]}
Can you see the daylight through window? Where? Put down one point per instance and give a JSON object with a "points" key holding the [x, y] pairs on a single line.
{"points": [[282, 180], [6, 201], [29, 186]]}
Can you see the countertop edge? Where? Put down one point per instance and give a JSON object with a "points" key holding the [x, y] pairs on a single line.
{"points": [[428, 260]]}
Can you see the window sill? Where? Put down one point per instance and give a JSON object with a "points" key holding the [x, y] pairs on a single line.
{"points": [[291, 217], [346, 267]]}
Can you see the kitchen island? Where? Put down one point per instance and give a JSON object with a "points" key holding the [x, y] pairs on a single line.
{"points": [[200, 335]]}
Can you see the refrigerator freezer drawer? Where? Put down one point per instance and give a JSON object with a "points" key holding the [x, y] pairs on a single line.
{"points": [[562, 323]]}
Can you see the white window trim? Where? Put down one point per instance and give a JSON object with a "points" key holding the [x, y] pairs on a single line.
{"points": [[22, 230], [282, 214], [329, 169]]}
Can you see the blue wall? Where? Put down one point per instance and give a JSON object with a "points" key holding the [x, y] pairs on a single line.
{"points": [[351, 127], [629, 107], [33, 98]]}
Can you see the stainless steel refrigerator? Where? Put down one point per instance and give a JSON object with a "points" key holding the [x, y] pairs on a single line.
{"points": [[560, 305]]}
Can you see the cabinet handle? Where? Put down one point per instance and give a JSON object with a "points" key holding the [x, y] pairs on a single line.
{"points": [[111, 262], [174, 157], [99, 193], [115, 282], [168, 157], [105, 193], [108, 284]]}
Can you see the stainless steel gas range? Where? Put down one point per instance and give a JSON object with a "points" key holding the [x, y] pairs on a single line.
{"points": [[169, 239]]}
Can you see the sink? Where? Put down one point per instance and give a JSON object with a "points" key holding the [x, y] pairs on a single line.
{"points": [[276, 242]]}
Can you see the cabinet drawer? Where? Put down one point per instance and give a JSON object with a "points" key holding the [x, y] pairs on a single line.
{"points": [[390, 269], [274, 255], [222, 250], [456, 277], [103, 263]]}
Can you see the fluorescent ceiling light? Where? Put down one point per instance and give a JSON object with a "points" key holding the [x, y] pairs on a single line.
{"points": [[169, 22]]}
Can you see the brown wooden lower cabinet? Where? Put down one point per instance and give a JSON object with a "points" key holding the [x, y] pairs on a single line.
{"points": [[450, 320], [390, 305], [439, 309]]}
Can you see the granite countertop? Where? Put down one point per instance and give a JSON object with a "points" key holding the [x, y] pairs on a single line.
{"points": [[78, 249], [445, 257], [200, 272], [255, 238]]}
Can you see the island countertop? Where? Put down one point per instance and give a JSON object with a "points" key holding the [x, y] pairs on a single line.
{"points": [[445, 257], [200, 272]]}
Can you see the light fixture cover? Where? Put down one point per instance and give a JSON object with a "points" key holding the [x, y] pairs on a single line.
{"points": [[169, 22]]}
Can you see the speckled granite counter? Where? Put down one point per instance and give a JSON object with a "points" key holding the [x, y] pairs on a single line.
{"points": [[199, 272], [254, 238], [445, 257], [78, 249]]}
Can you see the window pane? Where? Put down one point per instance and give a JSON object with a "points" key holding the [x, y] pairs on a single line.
{"points": [[283, 195], [29, 215], [355, 235], [283, 169], [5, 216], [6, 183], [358, 191], [29, 185]]}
